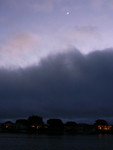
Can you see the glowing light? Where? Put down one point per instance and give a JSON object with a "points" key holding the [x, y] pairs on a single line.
{"points": [[104, 127], [7, 126], [68, 13]]}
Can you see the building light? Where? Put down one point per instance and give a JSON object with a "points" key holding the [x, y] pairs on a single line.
{"points": [[33, 126], [100, 127], [37, 127], [7, 126], [104, 127]]}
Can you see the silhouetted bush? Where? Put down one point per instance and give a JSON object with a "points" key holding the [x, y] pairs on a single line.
{"points": [[55, 126]]}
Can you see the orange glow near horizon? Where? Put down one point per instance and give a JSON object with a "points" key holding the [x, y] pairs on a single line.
{"points": [[104, 127]]}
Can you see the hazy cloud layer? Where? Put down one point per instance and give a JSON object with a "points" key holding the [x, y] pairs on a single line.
{"points": [[70, 85], [27, 27], [18, 49]]}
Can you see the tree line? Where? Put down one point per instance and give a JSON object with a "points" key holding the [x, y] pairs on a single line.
{"points": [[35, 124]]}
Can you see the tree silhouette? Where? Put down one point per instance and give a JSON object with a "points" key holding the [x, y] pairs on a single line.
{"points": [[55, 126], [35, 120], [101, 122], [71, 124]]}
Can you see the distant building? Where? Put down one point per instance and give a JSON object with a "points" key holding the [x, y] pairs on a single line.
{"points": [[104, 127], [21, 125], [7, 126]]}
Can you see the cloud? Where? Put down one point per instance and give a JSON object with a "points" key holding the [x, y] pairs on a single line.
{"points": [[18, 49], [87, 31], [70, 5], [98, 4], [28, 5], [68, 85], [83, 37], [42, 5]]}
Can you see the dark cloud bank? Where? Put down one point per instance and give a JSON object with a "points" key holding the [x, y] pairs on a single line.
{"points": [[67, 86]]}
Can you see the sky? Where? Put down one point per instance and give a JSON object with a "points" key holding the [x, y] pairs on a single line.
{"points": [[56, 58]]}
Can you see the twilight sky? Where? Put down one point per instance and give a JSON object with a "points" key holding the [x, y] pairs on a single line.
{"points": [[56, 58], [32, 29]]}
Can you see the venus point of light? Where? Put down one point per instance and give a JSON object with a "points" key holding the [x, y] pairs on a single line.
{"points": [[68, 13]]}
